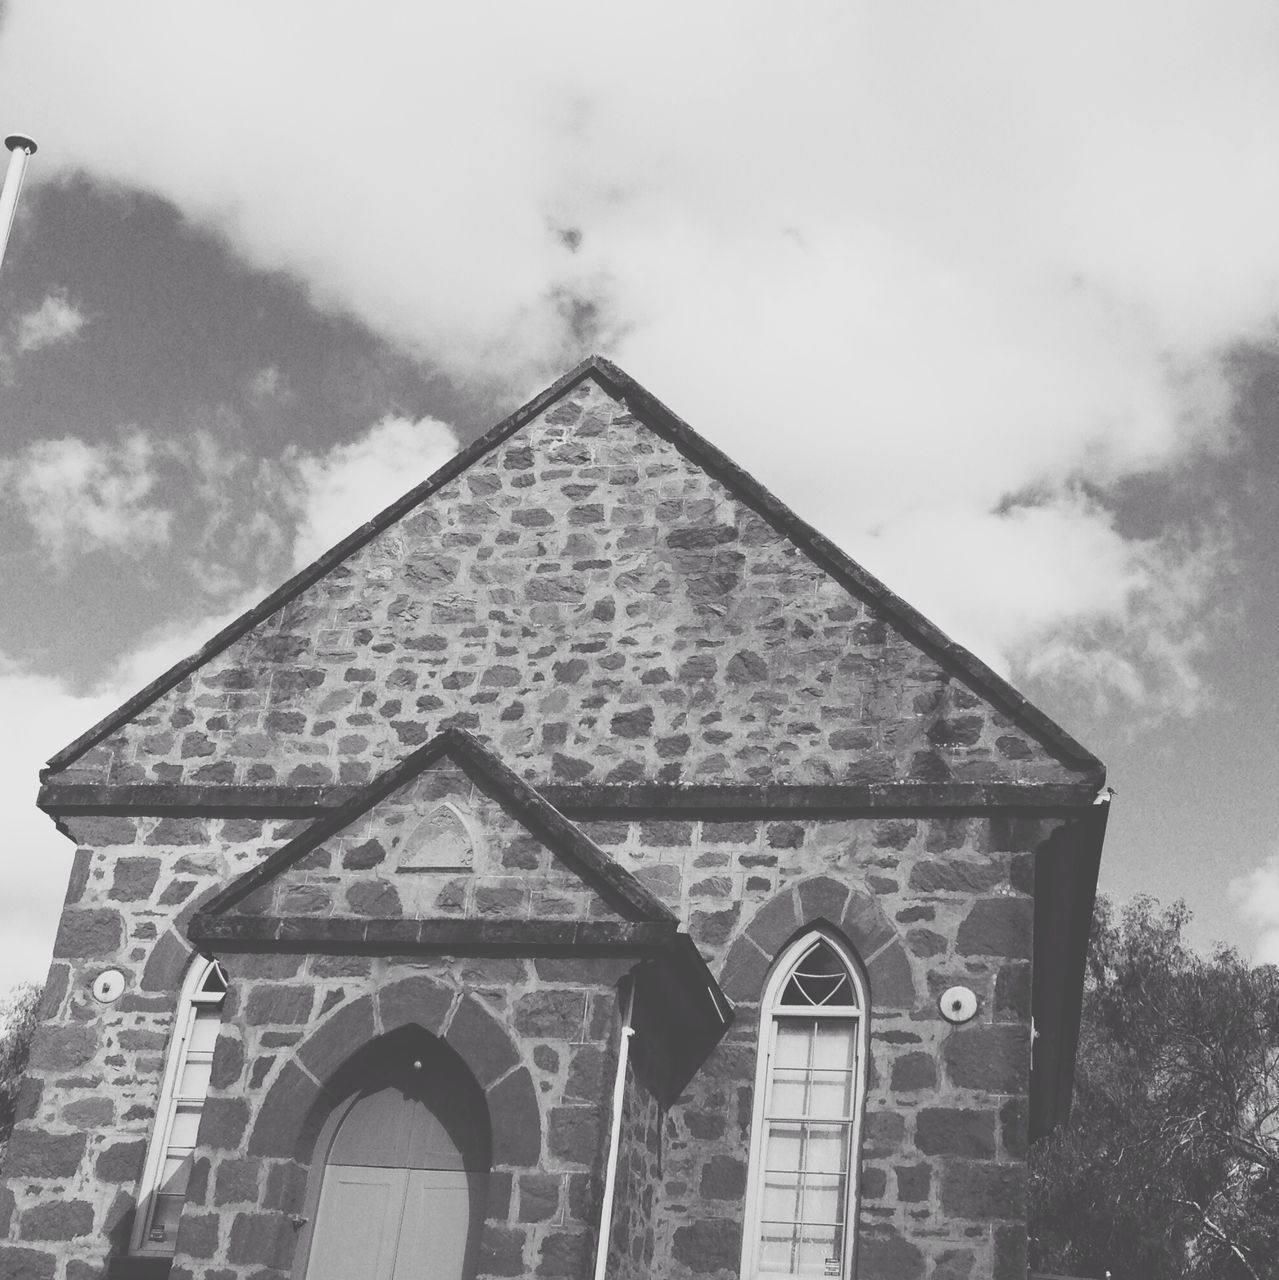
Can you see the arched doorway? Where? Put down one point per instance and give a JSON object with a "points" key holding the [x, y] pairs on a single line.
{"points": [[400, 1184]]}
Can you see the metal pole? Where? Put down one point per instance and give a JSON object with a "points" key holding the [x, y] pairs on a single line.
{"points": [[23, 148]]}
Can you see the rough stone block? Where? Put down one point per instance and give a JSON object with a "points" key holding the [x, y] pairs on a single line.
{"points": [[121, 1162], [281, 1116], [86, 935], [913, 1072], [223, 1123], [56, 1220], [573, 1134], [517, 1121], [555, 1015], [420, 1001], [481, 1041], [892, 980], [261, 1239], [994, 1058], [58, 1049], [278, 1004], [35, 1154], [955, 1131], [982, 1190], [539, 1197], [17, 1263], [502, 1251], [884, 1254], [564, 1254], [237, 1181], [997, 927], [774, 924], [708, 1245], [134, 879]]}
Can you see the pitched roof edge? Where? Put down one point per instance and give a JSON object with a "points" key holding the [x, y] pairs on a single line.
{"points": [[533, 810], [298, 583], [842, 566]]}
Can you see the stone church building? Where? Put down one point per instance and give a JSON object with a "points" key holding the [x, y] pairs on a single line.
{"points": [[584, 871]]}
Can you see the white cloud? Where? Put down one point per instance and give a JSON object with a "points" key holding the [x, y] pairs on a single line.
{"points": [[79, 497], [902, 262], [1256, 898], [36, 859], [54, 320], [334, 493]]}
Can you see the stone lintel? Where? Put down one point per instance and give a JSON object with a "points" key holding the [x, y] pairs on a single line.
{"points": [[346, 933], [710, 801]]}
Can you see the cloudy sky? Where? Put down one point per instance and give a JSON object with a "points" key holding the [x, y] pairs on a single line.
{"points": [[988, 292]]}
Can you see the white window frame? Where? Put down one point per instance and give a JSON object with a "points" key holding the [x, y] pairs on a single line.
{"points": [[192, 999], [770, 1012]]}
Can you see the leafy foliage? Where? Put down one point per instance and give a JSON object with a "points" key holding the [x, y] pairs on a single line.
{"points": [[1169, 1167], [17, 1026]]}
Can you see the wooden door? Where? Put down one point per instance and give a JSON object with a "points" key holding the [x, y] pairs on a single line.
{"points": [[398, 1200], [357, 1226]]}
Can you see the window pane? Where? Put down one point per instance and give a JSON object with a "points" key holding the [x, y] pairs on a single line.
{"points": [[833, 1049], [793, 1038], [781, 1197], [825, 1148], [819, 1252], [823, 1199], [790, 1089], [186, 1124], [830, 1095], [165, 1215], [785, 1143], [176, 1173], [204, 1033], [777, 1248], [195, 1080]]}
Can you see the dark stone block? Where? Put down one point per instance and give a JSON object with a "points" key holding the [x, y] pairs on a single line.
{"points": [[554, 1015], [892, 981], [228, 1061], [34, 1154], [6, 1210], [134, 879], [198, 1234], [421, 1001], [708, 1245], [962, 731], [874, 1183], [179, 832], [62, 1048], [994, 1058], [517, 1121], [745, 968], [885, 1255], [586, 1075], [237, 1181], [913, 1072], [55, 990], [1014, 1127], [723, 1178], [774, 924], [954, 875], [1010, 1253], [502, 1251], [339, 1036], [633, 724], [739, 833], [539, 1197], [865, 923], [285, 1186], [83, 935], [822, 899], [282, 1114], [26, 1264], [958, 1264], [56, 1220], [573, 1134], [377, 898], [785, 835], [223, 1123], [997, 927], [264, 1239], [121, 1162], [278, 1004], [166, 964], [565, 1254], [364, 856], [79, 878], [982, 1190], [481, 1041], [955, 1131], [914, 1182], [1012, 992]]}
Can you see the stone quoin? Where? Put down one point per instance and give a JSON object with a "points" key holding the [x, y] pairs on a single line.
{"points": [[559, 878]]}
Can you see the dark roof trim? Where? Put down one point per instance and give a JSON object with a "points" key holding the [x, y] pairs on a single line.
{"points": [[543, 819], [818, 547], [710, 801], [344, 933]]}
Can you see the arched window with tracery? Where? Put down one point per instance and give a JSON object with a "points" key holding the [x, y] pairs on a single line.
{"points": [[188, 1066], [801, 1196]]}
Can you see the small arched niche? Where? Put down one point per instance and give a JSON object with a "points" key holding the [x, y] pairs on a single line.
{"points": [[442, 841], [399, 1180]]}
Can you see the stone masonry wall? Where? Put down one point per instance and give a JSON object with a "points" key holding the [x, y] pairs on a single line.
{"points": [[943, 1178], [637, 1191], [596, 607]]}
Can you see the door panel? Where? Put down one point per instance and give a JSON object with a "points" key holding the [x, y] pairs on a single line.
{"points": [[436, 1225], [357, 1224]]}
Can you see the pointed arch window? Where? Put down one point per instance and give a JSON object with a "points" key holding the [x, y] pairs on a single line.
{"points": [[801, 1196], [187, 1068]]}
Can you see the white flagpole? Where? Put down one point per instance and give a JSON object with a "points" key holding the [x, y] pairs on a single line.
{"points": [[23, 148]]}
